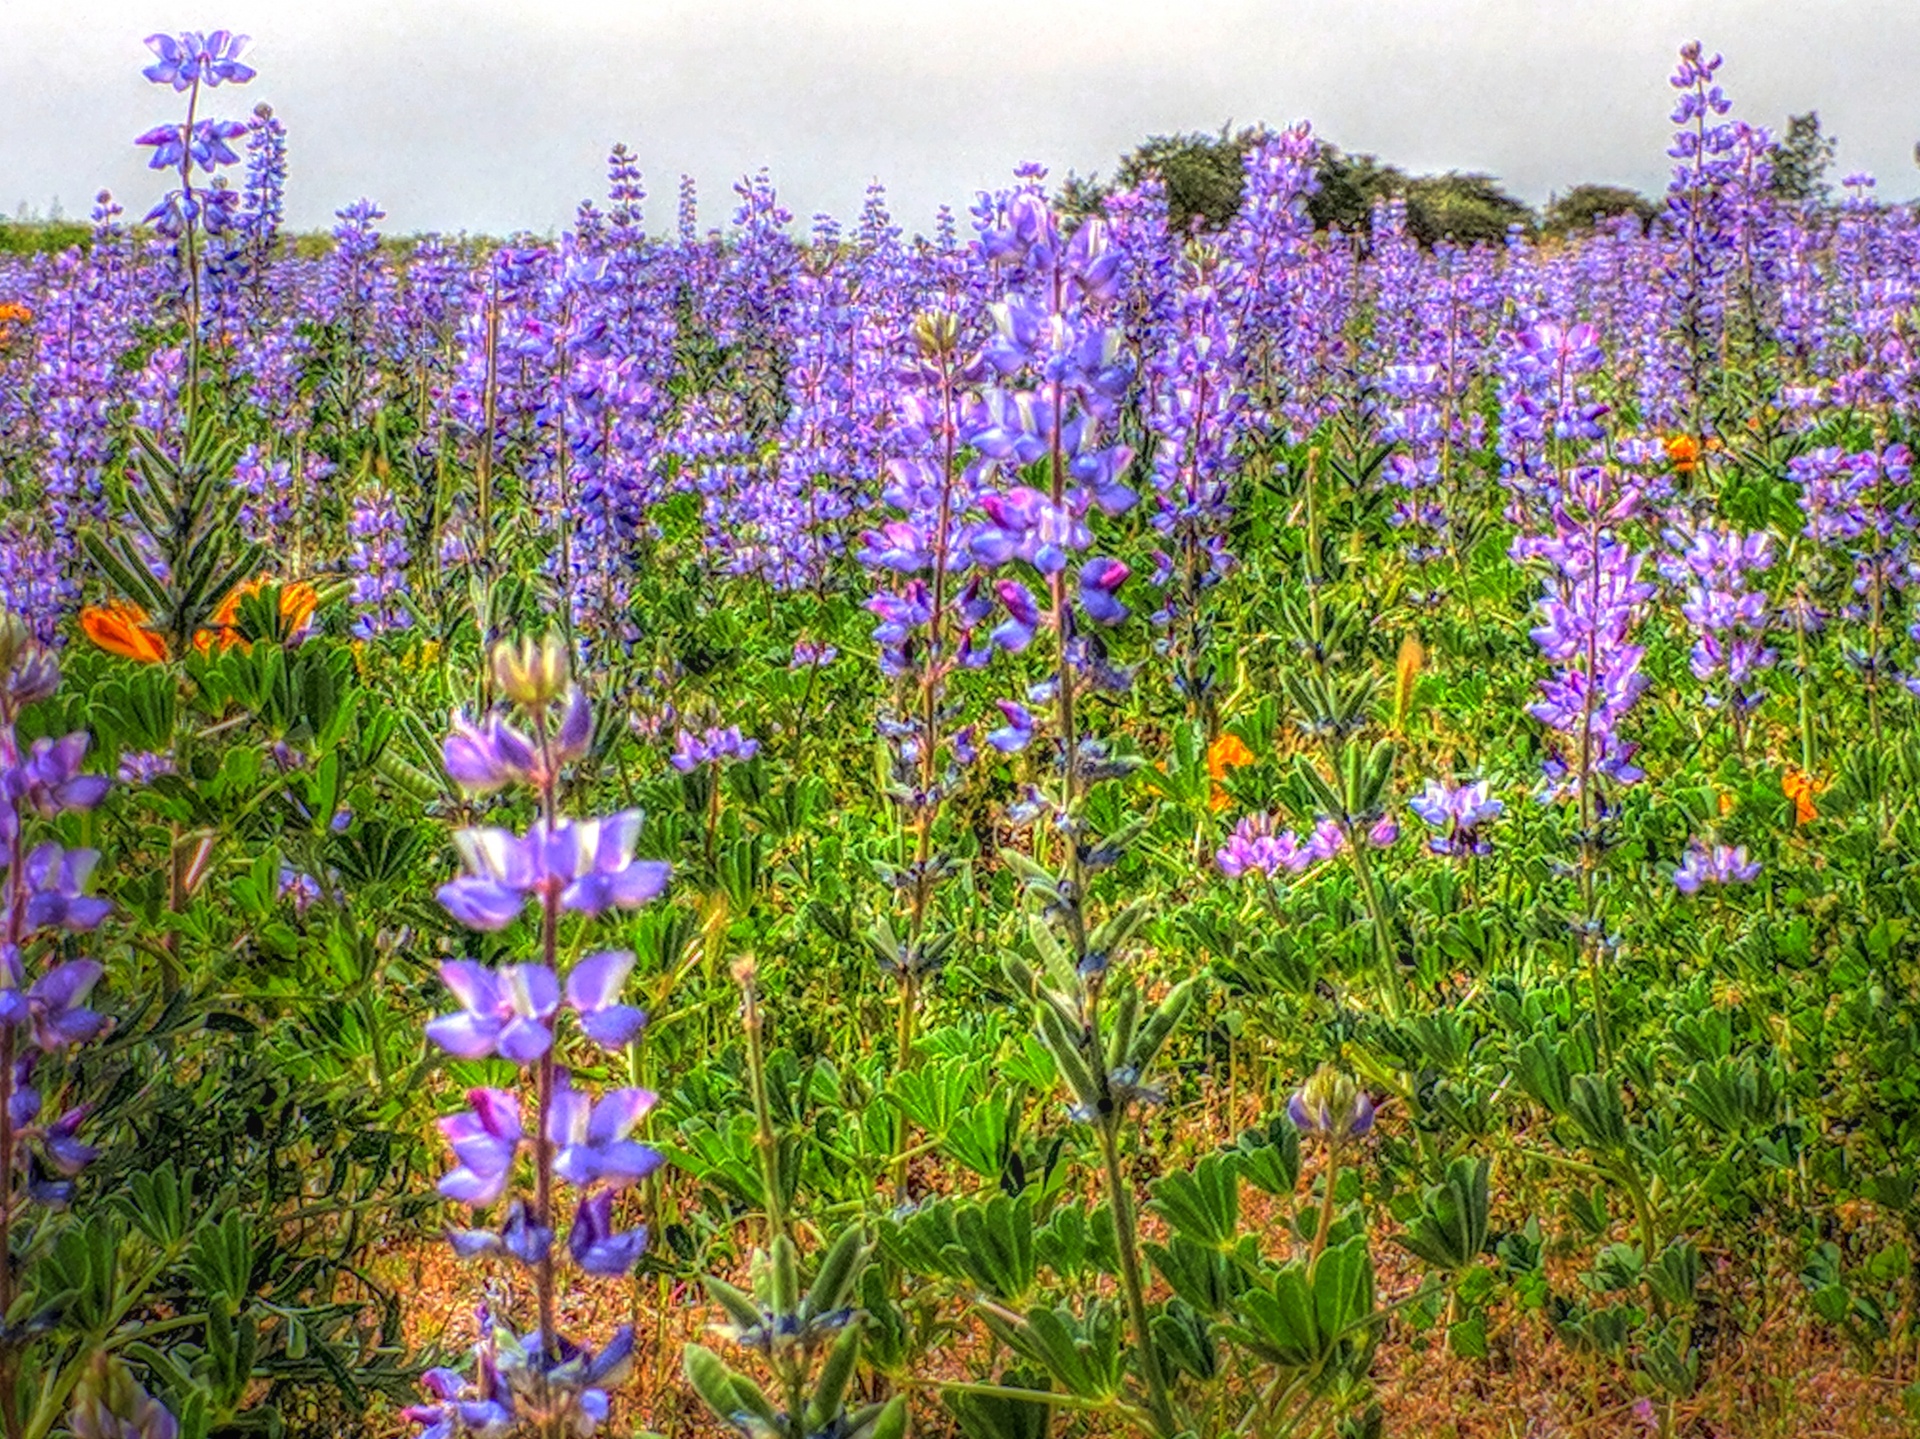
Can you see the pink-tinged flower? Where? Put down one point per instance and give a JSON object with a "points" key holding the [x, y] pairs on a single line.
{"points": [[1254, 848], [485, 1140], [1017, 733], [1100, 581], [1459, 814]]}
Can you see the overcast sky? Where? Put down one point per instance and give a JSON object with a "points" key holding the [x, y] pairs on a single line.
{"points": [[496, 115]]}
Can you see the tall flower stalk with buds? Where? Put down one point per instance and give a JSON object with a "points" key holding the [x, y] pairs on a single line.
{"points": [[189, 62], [539, 1379]]}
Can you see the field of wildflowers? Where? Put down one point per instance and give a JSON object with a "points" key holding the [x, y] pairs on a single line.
{"points": [[1056, 829]]}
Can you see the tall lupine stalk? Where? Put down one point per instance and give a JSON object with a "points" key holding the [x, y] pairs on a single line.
{"points": [[42, 991], [928, 613], [537, 1381], [1053, 332], [1269, 241], [1695, 275], [352, 306], [1594, 597], [187, 62], [1197, 412]]}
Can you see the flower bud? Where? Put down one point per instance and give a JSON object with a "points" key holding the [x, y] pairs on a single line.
{"points": [[1330, 1103], [108, 1403], [936, 332], [13, 638], [532, 673]]}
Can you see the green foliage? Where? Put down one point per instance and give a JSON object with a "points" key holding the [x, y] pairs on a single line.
{"points": [[1801, 159], [1580, 208]]}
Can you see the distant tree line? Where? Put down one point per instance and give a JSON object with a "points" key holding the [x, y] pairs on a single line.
{"points": [[1203, 173]]}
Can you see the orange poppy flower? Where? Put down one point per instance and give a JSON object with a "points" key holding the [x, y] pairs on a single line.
{"points": [[1225, 753], [298, 601], [1684, 451], [121, 629], [1800, 788]]}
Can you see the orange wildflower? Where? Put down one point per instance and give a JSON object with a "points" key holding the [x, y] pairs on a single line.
{"points": [[1684, 451], [121, 629], [298, 601], [1227, 752], [1800, 788]]}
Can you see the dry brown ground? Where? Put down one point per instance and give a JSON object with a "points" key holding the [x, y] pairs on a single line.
{"points": [[1790, 1380]]}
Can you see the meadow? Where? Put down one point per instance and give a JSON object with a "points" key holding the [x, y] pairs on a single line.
{"points": [[1062, 828]]}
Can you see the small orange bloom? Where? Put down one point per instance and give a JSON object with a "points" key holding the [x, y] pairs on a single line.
{"points": [[1800, 788], [1227, 752], [297, 603], [1684, 451], [120, 629]]}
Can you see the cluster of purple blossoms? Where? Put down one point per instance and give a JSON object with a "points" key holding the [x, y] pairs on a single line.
{"points": [[1256, 848], [1713, 864], [715, 747], [1460, 813], [1197, 411], [512, 1013], [267, 511], [1729, 620], [379, 562], [43, 991], [186, 62], [1053, 331], [1593, 601]]}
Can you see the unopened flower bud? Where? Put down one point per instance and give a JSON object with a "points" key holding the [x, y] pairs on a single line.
{"points": [[108, 1403], [936, 332], [532, 673], [1330, 1103]]}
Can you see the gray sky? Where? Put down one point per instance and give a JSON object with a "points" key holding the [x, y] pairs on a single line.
{"points": [[495, 115]]}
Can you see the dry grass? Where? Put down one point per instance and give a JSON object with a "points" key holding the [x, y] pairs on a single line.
{"points": [[1790, 1380]]}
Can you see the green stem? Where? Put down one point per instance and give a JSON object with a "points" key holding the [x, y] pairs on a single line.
{"points": [[1120, 1199]]}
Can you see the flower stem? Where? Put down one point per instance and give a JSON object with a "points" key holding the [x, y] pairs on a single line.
{"points": [[1147, 1355]]}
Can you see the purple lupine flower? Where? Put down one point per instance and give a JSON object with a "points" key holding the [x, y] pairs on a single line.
{"points": [[49, 780], [593, 989], [518, 1238], [1017, 733], [715, 747], [504, 1011], [379, 560], [457, 1412], [55, 880], [485, 757], [588, 864], [193, 58], [595, 1245], [143, 767], [484, 1139], [1460, 813], [1100, 581], [1255, 848], [1713, 864], [591, 1140], [1332, 1105], [1729, 620]]}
